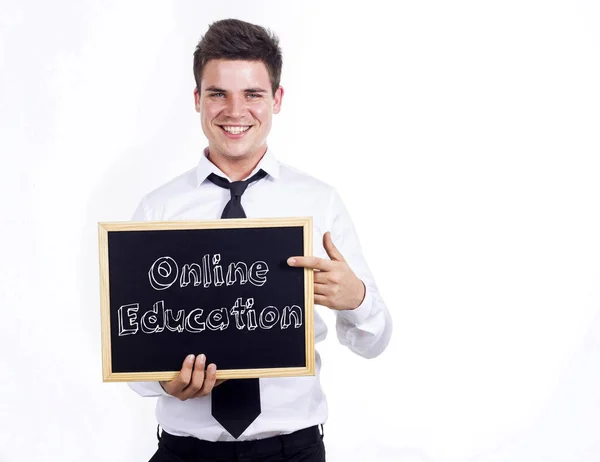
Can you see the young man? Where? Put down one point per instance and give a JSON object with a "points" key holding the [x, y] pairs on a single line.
{"points": [[237, 67]]}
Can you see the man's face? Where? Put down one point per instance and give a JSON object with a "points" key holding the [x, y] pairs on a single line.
{"points": [[236, 106]]}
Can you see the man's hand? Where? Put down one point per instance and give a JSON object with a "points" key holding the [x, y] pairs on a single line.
{"points": [[193, 381], [336, 285]]}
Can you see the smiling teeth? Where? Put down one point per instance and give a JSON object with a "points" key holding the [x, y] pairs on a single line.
{"points": [[235, 130]]}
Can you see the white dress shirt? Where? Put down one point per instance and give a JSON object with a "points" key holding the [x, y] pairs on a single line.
{"points": [[288, 403]]}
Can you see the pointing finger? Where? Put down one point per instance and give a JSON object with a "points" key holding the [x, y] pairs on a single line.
{"points": [[310, 262]]}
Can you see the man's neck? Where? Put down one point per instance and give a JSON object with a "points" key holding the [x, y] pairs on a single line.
{"points": [[236, 168]]}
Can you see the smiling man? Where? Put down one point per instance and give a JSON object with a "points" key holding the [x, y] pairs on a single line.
{"points": [[236, 103], [237, 68]]}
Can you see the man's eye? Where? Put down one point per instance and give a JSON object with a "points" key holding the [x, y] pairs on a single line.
{"points": [[218, 94], [253, 95]]}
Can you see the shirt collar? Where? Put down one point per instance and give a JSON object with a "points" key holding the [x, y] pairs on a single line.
{"points": [[205, 167]]}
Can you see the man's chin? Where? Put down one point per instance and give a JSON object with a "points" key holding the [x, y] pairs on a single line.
{"points": [[237, 149], [233, 152], [236, 153]]}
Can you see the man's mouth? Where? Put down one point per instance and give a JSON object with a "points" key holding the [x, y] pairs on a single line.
{"points": [[235, 129]]}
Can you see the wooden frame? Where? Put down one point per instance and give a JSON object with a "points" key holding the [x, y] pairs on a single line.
{"points": [[105, 227]]}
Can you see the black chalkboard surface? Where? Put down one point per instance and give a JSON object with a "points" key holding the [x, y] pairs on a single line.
{"points": [[222, 288]]}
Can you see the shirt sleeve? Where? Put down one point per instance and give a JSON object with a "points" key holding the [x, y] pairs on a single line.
{"points": [[142, 212], [150, 389], [367, 329]]}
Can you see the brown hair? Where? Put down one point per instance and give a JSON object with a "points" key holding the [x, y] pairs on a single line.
{"points": [[239, 40]]}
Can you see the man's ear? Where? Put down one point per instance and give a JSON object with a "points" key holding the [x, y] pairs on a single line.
{"points": [[197, 99], [277, 98]]}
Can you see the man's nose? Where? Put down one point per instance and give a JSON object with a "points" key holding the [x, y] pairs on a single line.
{"points": [[236, 107]]}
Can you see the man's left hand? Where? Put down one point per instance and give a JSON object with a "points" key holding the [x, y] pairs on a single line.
{"points": [[336, 285]]}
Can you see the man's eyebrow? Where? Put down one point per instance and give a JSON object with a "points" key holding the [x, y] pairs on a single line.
{"points": [[213, 88], [247, 90]]}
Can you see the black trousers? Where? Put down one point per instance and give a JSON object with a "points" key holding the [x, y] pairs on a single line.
{"points": [[302, 446]]}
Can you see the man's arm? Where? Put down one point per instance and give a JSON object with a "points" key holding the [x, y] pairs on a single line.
{"points": [[345, 284]]}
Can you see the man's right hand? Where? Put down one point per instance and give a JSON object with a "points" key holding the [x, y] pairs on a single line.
{"points": [[193, 381]]}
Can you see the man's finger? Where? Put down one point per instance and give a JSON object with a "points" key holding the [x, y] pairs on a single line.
{"points": [[321, 289], [201, 393], [321, 277], [331, 249], [321, 300], [197, 378], [209, 380], [184, 377], [321, 264]]}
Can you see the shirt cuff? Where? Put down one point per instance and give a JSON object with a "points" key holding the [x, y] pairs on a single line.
{"points": [[151, 389], [359, 314]]}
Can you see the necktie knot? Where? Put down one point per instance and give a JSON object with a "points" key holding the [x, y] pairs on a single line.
{"points": [[234, 209], [237, 188]]}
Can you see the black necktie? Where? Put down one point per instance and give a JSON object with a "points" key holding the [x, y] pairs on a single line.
{"points": [[233, 208], [236, 402]]}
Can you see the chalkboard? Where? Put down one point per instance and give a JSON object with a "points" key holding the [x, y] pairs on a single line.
{"points": [[221, 287]]}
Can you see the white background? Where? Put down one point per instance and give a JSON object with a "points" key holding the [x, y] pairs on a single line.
{"points": [[464, 139]]}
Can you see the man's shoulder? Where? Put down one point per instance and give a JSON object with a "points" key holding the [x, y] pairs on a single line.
{"points": [[294, 175]]}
